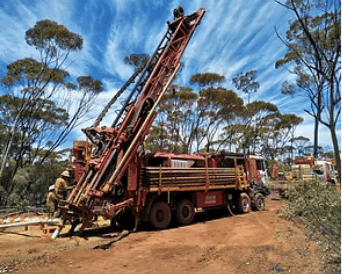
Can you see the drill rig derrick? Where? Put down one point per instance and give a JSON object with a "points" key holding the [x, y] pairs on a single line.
{"points": [[103, 188]]}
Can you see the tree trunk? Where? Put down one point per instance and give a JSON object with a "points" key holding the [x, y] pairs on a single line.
{"points": [[318, 116], [8, 148], [336, 151], [315, 148]]}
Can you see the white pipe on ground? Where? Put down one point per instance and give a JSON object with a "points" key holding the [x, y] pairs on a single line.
{"points": [[34, 222]]}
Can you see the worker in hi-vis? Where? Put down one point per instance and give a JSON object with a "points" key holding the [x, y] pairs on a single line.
{"points": [[58, 192]]}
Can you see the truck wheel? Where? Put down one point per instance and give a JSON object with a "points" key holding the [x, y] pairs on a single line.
{"points": [[259, 202], [185, 212], [160, 215], [244, 203]]}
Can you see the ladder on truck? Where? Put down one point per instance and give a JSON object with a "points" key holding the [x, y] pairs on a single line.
{"points": [[98, 190]]}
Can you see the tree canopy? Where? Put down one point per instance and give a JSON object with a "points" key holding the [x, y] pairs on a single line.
{"points": [[44, 102], [213, 118], [246, 82]]}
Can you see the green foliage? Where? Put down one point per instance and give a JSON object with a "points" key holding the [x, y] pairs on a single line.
{"points": [[300, 139], [288, 88], [215, 106], [32, 123], [257, 107], [289, 120], [33, 72], [30, 185], [157, 139], [189, 119], [206, 79], [42, 109], [137, 60], [292, 55], [19, 70], [277, 130], [89, 84], [318, 205], [253, 123], [246, 82], [47, 34], [6, 179], [219, 102]]}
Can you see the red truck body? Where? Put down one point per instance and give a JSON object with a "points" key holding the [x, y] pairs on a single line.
{"points": [[176, 183]]}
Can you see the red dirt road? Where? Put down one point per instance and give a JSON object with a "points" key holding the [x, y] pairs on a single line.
{"points": [[257, 242]]}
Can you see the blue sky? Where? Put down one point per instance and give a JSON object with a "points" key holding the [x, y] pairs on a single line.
{"points": [[234, 36]]}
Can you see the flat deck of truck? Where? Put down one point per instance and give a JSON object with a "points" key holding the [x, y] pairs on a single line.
{"points": [[192, 179]]}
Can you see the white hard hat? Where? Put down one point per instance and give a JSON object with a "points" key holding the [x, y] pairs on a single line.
{"points": [[65, 173], [52, 187]]}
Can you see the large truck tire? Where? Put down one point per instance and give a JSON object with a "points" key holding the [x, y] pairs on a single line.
{"points": [[185, 212], [244, 203], [259, 202], [160, 215]]}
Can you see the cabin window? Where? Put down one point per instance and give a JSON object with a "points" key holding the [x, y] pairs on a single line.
{"points": [[156, 162]]}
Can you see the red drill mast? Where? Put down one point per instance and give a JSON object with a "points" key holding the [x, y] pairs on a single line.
{"points": [[99, 190]]}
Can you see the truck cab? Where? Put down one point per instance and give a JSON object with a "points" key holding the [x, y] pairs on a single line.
{"points": [[325, 170], [261, 165], [321, 169]]}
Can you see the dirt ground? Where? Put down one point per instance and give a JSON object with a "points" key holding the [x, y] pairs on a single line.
{"points": [[257, 242]]}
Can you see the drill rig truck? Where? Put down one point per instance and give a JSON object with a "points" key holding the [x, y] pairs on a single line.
{"points": [[122, 183]]}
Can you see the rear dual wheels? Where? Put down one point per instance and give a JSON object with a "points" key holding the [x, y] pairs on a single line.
{"points": [[244, 203], [160, 215], [185, 212], [259, 202]]}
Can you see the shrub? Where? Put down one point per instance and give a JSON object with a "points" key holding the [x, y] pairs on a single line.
{"points": [[318, 204]]}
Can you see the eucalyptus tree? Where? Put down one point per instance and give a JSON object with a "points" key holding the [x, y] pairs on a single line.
{"points": [[300, 144], [207, 79], [314, 55], [246, 82], [249, 125], [157, 139], [176, 115], [232, 136], [279, 129], [217, 106], [206, 118], [42, 105], [137, 60], [232, 133], [255, 114]]}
